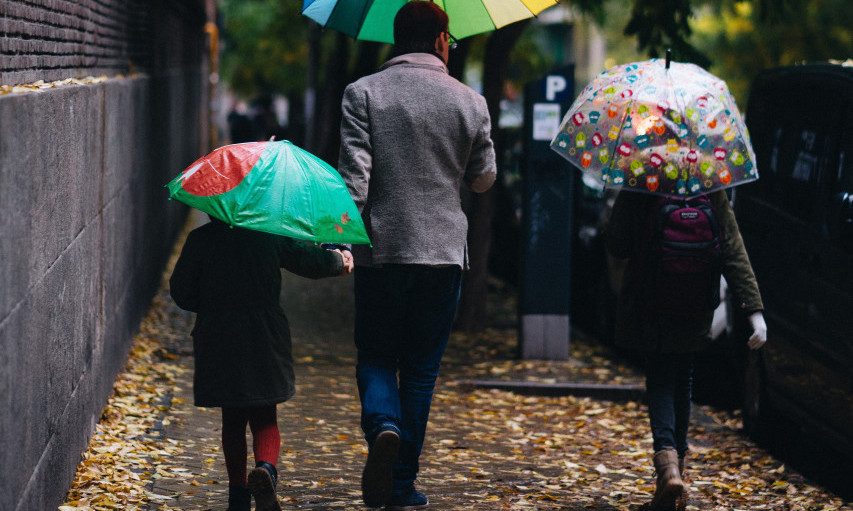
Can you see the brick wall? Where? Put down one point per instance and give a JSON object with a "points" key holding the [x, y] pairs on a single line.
{"points": [[56, 39], [85, 224]]}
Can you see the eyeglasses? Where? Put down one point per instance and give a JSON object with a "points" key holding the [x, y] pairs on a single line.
{"points": [[452, 40]]}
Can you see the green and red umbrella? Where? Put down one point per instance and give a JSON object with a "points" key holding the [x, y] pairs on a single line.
{"points": [[273, 187]]}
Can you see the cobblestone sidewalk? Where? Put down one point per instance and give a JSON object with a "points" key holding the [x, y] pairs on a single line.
{"points": [[486, 449]]}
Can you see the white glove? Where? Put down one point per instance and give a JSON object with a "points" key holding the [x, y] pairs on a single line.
{"points": [[759, 331]]}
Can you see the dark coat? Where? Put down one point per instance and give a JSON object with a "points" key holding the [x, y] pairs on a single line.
{"points": [[231, 278], [636, 329]]}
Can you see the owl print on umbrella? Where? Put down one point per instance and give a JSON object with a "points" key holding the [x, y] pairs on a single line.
{"points": [[658, 127]]}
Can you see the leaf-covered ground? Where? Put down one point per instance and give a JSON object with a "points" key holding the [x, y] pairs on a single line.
{"points": [[486, 449]]}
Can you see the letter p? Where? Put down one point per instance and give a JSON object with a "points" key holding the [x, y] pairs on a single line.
{"points": [[554, 84]]}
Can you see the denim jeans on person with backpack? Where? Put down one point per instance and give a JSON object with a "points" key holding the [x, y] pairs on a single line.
{"points": [[403, 318], [669, 380]]}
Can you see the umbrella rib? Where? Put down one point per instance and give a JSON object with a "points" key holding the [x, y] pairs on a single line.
{"points": [[625, 112], [523, 4], [217, 172], [302, 163], [365, 9], [361, 17]]}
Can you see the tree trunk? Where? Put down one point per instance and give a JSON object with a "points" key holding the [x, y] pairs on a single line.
{"points": [[367, 60], [327, 128], [309, 111], [472, 308], [327, 136]]}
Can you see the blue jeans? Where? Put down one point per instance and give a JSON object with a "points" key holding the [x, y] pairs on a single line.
{"points": [[669, 382], [403, 318]]}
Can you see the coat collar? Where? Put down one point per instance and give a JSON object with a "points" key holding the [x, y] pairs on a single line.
{"points": [[416, 59]]}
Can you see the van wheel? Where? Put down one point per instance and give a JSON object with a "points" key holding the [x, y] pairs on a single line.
{"points": [[754, 408]]}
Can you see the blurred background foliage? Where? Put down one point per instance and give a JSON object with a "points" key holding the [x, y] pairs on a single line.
{"points": [[265, 46], [267, 41], [273, 55], [743, 38]]}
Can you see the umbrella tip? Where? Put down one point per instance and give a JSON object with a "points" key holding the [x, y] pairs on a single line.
{"points": [[668, 57]]}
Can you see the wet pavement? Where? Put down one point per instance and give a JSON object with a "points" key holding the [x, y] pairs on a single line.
{"points": [[548, 445]]}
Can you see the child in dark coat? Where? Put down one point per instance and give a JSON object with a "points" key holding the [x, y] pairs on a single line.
{"points": [[231, 278]]}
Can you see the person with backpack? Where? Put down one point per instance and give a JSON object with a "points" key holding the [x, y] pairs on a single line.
{"points": [[676, 250]]}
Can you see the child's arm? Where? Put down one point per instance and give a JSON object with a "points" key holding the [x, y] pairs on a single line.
{"points": [[311, 261], [346, 255], [185, 279]]}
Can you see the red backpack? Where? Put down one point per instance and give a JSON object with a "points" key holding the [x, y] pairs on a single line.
{"points": [[682, 267]]}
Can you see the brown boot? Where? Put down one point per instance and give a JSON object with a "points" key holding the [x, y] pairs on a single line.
{"points": [[670, 488], [681, 503]]}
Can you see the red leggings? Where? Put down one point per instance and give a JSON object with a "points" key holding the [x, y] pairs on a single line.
{"points": [[266, 439]]}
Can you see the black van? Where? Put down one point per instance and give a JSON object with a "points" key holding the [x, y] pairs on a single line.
{"points": [[797, 224]]}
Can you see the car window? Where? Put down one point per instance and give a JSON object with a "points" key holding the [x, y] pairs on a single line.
{"points": [[838, 195], [798, 136], [795, 164]]}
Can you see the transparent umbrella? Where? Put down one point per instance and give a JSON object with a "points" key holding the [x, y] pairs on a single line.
{"points": [[658, 127]]}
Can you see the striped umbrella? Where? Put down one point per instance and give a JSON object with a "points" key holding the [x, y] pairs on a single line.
{"points": [[373, 20]]}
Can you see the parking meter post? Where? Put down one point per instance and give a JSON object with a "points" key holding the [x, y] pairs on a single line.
{"points": [[547, 218]]}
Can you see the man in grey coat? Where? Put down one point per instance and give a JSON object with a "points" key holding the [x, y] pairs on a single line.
{"points": [[410, 136]]}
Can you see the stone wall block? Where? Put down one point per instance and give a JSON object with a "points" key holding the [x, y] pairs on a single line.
{"points": [[51, 178], [49, 340]]}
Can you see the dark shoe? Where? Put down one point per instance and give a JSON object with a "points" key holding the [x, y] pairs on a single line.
{"points": [[377, 480], [262, 484], [407, 500], [239, 499]]}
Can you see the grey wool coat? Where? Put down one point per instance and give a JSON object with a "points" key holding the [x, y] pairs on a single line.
{"points": [[231, 277], [410, 135], [638, 330]]}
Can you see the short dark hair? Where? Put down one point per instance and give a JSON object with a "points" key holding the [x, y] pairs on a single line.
{"points": [[416, 26]]}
